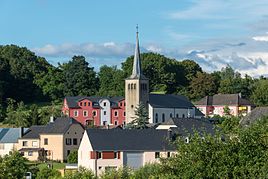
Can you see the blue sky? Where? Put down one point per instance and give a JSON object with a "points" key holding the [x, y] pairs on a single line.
{"points": [[212, 32]]}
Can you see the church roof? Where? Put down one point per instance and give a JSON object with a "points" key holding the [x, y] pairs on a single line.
{"points": [[136, 70], [169, 101]]}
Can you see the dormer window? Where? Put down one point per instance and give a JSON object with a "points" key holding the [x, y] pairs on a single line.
{"points": [[85, 103], [88, 103], [81, 103], [104, 104]]}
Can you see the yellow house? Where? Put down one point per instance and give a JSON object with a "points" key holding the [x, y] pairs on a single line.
{"points": [[53, 141]]}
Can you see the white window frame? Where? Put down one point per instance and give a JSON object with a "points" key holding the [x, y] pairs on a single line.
{"points": [[96, 113], [116, 112], [86, 113], [34, 143]]}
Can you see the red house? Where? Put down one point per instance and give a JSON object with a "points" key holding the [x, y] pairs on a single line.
{"points": [[95, 110]]}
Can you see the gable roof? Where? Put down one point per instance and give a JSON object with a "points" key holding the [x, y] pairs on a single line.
{"points": [[169, 101], [11, 135], [224, 99], [59, 126], [254, 115], [129, 140], [191, 125], [72, 101]]}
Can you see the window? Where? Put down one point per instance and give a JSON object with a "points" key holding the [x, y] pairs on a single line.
{"points": [[68, 152], [156, 117], [177, 115], [163, 117], [115, 123], [85, 113], [75, 141], [94, 113], [186, 140], [22, 153], [128, 86], [134, 86], [100, 167], [81, 103], [170, 115], [30, 153], [34, 144], [24, 143], [104, 123], [183, 116], [88, 103], [85, 103], [104, 112], [124, 104], [124, 114], [115, 155], [68, 141], [2, 146], [104, 104], [116, 113], [121, 104], [75, 113], [168, 154], [99, 155], [157, 155], [45, 141]]}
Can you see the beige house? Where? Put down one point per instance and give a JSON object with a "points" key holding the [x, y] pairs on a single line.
{"points": [[53, 141], [103, 149]]}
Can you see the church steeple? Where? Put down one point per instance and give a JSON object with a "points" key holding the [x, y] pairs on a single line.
{"points": [[136, 71]]}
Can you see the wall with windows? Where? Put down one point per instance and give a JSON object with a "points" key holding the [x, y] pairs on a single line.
{"points": [[105, 113], [5, 148], [159, 115], [118, 115], [53, 147]]}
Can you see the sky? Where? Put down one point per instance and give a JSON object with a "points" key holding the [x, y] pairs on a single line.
{"points": [[214, 33]]}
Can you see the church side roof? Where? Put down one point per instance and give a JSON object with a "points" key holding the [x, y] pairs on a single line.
{"points": [[169, 101]]}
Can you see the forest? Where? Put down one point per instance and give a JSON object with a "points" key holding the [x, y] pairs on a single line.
{"points": [[32, 89]]}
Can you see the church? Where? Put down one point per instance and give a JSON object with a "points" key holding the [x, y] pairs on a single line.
{"points": [[102, 111]]}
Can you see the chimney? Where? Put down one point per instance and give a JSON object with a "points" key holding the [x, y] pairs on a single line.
{"points": [[51, 119], [21, 131]]}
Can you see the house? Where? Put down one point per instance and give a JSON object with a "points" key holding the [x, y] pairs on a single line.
{"points": [[121, 110], [255, 115], [215, 105], [103, 149], [9, 138], [53, 141], [95, 110]]}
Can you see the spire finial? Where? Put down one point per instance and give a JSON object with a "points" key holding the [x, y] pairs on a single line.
{"points": [[137, 28]]}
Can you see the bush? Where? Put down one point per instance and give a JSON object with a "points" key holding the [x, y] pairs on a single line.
{"points": [[82, 173], [73, 157], [48, 173]]}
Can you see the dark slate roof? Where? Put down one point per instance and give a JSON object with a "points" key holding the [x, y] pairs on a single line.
{"points": [[72, 101], [59, 126], [190, 125], [10, 135], [223, 99], [169, 101], [254, 115], [129, 140], [198, 113]]}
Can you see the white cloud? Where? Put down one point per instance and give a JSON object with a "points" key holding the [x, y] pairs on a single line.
{"points": [[263, 38]]}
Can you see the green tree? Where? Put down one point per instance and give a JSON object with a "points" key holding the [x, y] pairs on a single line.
{"points": [[79, 78], [190, 68], [202, 85], [73, 157], [141, 118], [17, 114], [260, 93], [82, 173], [226, 111], [13, 166], [111, 81], [34, 118], [48, 173]]}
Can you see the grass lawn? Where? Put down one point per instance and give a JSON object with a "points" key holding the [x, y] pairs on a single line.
{"points": [[55, 165]]}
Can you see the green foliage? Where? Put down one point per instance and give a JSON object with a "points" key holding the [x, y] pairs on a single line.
{"points": [[141, 118], [260, 93], [124, 173], [73, 157], [226, 110], [111, 81], [148, 171], [82, 173], [229, 125], [13, 166], [79, 78], [48, 173]]}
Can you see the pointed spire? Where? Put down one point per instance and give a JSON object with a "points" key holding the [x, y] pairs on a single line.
{"points": [[136, 71]]}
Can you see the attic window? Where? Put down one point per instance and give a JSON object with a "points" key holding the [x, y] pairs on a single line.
{"points": [[81, 103], [85, 103], [88, 103], [104, 104]]}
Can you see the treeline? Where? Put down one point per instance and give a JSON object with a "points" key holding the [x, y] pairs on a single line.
{"points": [[31, 79]]}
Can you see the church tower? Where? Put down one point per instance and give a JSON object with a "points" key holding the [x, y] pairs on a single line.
{"points": [[136, 86]]}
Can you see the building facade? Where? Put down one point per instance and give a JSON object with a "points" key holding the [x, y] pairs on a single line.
{"points": [[220, 104]]}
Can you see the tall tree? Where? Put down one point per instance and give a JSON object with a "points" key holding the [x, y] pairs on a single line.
{"points": [[79, 78], [141, 118], [260, 93]]}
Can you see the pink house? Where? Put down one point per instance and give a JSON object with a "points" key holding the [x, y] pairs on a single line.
{"points": [[214, 105]]}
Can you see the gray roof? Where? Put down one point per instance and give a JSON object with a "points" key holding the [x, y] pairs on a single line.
{"points": [[187, 126], [129, 140], [223, 99], [254, 115], [11, 135], [72, 101], [198, 113], [59, 126], [169, 101]]}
